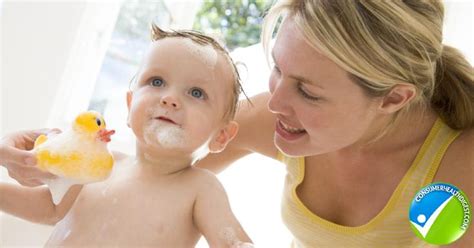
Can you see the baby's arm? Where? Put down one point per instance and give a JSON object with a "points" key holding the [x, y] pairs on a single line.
{"points": [[214, 218], [35, 204]]}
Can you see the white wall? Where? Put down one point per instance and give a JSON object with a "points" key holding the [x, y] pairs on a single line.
{"points": [[36, 42], [458, 28]]}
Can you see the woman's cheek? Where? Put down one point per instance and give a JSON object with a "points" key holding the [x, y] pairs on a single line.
{"points": [[311, 118]]}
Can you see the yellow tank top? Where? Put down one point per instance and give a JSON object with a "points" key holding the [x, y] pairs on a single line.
{"points": [[390, 227]]}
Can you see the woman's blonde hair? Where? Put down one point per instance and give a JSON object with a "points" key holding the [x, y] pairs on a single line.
{"points": [[385, 43]]}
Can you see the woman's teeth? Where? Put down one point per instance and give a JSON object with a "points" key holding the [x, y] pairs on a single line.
{"points": [[291, 129]]}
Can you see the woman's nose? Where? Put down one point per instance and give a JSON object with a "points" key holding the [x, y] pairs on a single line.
{"points": [[170, 101], [279, 99]]}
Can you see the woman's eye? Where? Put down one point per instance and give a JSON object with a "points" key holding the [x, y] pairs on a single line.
{"points": [[306, 95], [98, 122], [157, 82], [197, 93]]}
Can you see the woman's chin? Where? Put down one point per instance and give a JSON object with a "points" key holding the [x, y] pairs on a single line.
{"points": [[289, 149], [301, 148]]}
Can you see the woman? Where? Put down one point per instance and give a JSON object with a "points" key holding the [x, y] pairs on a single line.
{"points": [[365, 107]]}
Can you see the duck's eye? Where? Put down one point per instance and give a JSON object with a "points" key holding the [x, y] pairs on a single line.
{"points": [[98, 122]]}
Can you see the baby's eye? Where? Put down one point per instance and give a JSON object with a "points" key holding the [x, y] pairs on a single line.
{"points": [[198, 93], [157, 82]]}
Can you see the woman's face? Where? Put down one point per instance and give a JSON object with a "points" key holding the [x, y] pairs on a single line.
{"points": [[318, 108]]}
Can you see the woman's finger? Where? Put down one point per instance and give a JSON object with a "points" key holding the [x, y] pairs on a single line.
{"points": [[34, 173], [30, 183], [24, 181], [28, 172], [45, 131], [14, 155]]}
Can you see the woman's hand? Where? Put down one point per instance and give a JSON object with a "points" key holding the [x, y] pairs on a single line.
{"points": [[17, 158]]}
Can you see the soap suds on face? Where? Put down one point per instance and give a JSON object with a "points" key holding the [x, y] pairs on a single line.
{"points": [[166, 134]]}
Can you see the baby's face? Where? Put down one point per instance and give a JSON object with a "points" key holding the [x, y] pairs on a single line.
{"points": [[181, 95]]}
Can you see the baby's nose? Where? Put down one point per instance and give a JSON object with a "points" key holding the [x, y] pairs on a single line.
{"points": [[170, 101]]}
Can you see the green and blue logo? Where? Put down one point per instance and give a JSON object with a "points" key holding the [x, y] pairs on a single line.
{"points": [[440, 213]]}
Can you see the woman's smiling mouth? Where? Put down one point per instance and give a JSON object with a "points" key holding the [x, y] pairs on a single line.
{"points": [[288, 132]]}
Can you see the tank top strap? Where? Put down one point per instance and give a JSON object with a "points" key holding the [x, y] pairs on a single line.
{"points": [[431, 153]]}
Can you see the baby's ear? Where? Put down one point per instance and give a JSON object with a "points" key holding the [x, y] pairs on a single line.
{"points": [[225, 135]]}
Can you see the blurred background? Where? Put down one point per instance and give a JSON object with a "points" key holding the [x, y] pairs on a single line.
{"points": [[61, 58]]}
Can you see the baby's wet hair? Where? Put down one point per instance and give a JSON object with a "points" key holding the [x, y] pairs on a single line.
{"points": [[201, 39]]}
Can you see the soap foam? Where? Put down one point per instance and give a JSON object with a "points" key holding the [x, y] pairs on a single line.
{"points": [[207, 54], [229, 236], [166, 134], [62, 230], [59, 187]]}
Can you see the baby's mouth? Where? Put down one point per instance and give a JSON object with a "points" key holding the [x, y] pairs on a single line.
{"points": [[166, 119]]}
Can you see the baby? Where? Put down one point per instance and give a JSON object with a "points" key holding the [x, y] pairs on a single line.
{"points": [[180, 107]]}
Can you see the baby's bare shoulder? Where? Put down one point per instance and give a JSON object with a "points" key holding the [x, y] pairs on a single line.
{"points": [[203, 179], [200, 174]]}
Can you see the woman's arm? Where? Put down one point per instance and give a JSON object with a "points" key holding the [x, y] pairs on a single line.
{"points": [[35, 204], [256, 130]]}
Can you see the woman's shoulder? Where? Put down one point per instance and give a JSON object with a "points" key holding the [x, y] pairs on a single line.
{"points": [[456, 168], [457, 165], [461, 150]]}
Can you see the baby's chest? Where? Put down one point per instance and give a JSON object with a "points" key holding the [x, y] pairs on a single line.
{"points": [[136, 204]]}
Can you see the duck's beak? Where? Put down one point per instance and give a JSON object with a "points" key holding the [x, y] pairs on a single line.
{"points": [[104, 135]]}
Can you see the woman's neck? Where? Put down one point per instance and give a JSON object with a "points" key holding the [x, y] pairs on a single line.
{"points": [[390, 155], [409, 131]]}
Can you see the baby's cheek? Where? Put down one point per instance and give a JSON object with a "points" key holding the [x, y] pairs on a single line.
{"points": [[136, 121], [201, 129]]}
